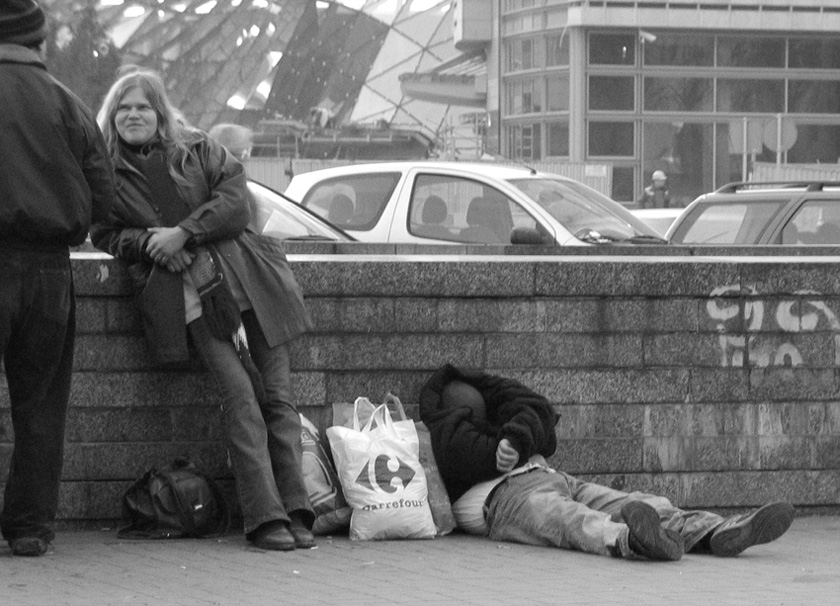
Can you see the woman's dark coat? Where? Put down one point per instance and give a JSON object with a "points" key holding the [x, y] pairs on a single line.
{"points": [[218, 197]]}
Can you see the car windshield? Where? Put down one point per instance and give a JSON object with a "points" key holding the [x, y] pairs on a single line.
{"points": [[585, 212], [280, 217], [727, 223]]}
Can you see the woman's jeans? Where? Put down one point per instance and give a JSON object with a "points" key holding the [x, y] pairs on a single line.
{"points": [[543, 507], [264, 439], [37, 332]]}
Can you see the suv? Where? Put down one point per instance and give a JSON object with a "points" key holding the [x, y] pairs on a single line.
{"points": [[776, 212]]}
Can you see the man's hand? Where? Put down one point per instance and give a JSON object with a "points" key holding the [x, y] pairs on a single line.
{"points": [[506, 456], [165, 242]]}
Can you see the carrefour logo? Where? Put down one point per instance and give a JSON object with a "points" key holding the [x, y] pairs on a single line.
{"points": [[385, 470]]}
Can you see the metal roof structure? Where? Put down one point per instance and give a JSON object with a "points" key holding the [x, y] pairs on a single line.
{"points": [[245, 61]]}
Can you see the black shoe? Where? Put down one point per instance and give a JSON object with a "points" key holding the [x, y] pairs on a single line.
{"points": [[304, 539], [760, 526], [28, 546], [647, 536], [273, 535]]}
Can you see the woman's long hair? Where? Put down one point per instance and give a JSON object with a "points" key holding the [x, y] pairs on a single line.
{"points": [[172, 130]]}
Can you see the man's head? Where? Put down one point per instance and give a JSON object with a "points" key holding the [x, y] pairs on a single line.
{"points": [[22, 22], [239, 140], [458, 393], [659, 178]]}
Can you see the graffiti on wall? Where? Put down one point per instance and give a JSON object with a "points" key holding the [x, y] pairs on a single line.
{"points": [[790, 316]]}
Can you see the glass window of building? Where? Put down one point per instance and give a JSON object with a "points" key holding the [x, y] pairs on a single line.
{"points": [[612, 93], [557, 49], [815, 143], [684, 151], [622, 183], [809, 53], [524, 141], [525, 96], [750, 51], [612, 49], [523, 54], [557, 139], [680, 50], [750, 95], [678, 94], [557, 93], [611, 139], [814, 96]]}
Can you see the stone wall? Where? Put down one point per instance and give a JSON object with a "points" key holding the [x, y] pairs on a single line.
{"points": [[710, 379]]}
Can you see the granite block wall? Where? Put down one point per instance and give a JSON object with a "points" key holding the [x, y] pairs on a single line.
{"points": [[710, 379]]}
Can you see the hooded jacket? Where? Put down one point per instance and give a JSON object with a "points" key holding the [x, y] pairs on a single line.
{"points": [[217, 194], [465, 445], [55, 172]]}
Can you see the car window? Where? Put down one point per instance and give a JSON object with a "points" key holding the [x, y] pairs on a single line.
{"points": [[463, 210], [353, 202], [727, 223], [815, 222]]}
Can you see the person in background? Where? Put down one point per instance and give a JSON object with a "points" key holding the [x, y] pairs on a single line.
{"points": [[237, 139], [490, 436], [656, 195], [181, 223], [55, 177]]}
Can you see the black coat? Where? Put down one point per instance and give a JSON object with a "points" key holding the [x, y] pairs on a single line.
{"points": [[465, 446], [55, 172]]}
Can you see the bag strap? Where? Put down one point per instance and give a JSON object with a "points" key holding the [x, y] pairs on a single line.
{"points": [[381, 417], [361, 404], [394, 401]]}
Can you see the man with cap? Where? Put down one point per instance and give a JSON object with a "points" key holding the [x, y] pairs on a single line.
{"points": [[656, 195], [55, 177], [490, 436]]}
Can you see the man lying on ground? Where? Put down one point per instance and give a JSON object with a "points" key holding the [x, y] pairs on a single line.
{"points": [[490, 436]]}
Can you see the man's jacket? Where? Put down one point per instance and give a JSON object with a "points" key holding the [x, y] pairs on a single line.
{"points": [[465, 446], [55, 171]]}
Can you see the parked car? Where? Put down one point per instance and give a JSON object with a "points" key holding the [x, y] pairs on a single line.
{"points": [[278, 216], [274, 214], [659, 219], [762, 213], [458, 203]]}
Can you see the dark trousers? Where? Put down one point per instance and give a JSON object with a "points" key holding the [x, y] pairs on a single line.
{"points": [[37, 332]]}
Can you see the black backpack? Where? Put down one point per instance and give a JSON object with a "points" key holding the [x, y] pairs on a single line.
{"points": [[178, 501]]}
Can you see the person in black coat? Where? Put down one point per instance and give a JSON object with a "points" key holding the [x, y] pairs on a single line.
{"points": [[490, 436], [55, 178]]}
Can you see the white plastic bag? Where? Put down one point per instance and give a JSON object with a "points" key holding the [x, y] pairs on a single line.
{"points": [[380, 473]]}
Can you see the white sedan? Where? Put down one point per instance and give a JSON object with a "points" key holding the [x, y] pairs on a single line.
{"points": [[465, 203]]}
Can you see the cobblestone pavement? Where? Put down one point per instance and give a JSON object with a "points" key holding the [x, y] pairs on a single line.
{"points": [[94, 568]]}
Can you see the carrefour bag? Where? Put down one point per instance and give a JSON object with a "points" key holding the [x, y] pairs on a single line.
{"points": [[383, 481], [332, 513]]}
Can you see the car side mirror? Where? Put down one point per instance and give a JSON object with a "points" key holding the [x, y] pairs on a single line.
{"points": [[526, 235]]}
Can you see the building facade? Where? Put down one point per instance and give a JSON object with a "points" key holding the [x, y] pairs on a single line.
{"points": [[699, 89]]}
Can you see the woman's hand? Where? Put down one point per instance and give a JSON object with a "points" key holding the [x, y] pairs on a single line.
{"points": [[165, 242], [180, 261], [506, 456]]}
